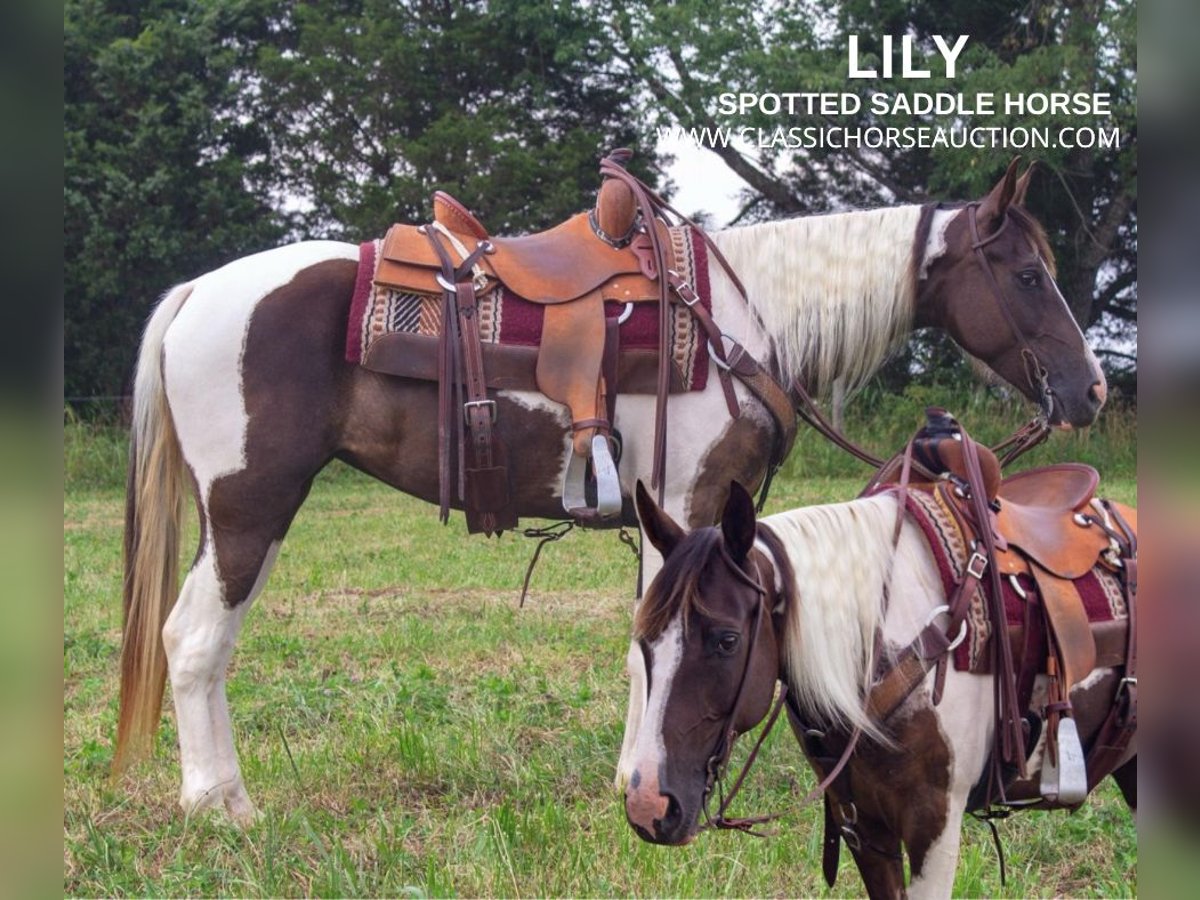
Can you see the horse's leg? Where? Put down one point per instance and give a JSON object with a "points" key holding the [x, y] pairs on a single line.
{"points": [[880, 862], [1126, 778], [253, 379], [198, 638]]}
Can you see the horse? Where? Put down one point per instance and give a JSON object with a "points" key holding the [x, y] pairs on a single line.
{"points": [[815, 598], [242, 395]]}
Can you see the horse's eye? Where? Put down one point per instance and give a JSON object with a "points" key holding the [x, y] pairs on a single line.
{"points": [[728, 642], [1029, 278]]}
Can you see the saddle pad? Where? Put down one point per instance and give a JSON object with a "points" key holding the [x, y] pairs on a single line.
{"points": [[506, 319], [1099, 590]]}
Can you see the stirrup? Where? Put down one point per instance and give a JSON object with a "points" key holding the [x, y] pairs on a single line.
{"points": [[608, 488], [1065, 783]]}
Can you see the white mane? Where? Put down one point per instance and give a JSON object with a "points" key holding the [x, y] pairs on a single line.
{"points": [[834, 292], [841, 553]]}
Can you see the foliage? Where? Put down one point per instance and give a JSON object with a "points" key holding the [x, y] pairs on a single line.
{"points": [[507, 104], [688, 53], [161, 180], [202, 130]]}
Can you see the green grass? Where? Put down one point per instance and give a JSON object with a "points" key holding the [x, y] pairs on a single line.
{"points": [[407, 730]]}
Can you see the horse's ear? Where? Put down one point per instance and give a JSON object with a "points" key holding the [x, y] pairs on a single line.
{"points": [[737, 523], [993, 207], [1022, 187], [659, 528]]}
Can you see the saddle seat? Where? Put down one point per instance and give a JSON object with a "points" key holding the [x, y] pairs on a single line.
{"points": [[1037, 515], [550, 267]]}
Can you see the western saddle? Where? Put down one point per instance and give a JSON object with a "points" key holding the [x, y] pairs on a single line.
{"points": [[1046, 527], [618, 251]]}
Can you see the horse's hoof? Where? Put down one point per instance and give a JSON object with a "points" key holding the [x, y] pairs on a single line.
{"points": [[241, 810]]}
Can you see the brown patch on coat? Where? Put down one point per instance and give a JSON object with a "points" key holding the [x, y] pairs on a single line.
{"points": [[739, 455]]}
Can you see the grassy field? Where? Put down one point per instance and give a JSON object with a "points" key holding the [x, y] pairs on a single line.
{"points": [[407, 730]]}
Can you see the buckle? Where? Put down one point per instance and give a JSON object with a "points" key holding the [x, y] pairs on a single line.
{"points": [[1125, 683], [977, 565], [474, 403], [683, 289]]}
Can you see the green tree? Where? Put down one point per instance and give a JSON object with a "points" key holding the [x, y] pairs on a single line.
{"points": [[161, 180], [509, 105], [687, 53], [202, 130]]}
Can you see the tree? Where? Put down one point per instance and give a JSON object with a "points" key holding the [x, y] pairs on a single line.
{"points": [[509, 105], [198, 131], [689, 52], [161, 182]]}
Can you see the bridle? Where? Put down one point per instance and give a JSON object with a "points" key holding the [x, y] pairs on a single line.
{"points": [[1035, 373], [718, 758]]}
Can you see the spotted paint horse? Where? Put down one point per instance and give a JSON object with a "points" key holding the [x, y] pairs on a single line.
{"points": [[827, 600], [242, 395]]}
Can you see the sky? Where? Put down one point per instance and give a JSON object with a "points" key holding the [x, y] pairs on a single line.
{"points": [[702, 180]]}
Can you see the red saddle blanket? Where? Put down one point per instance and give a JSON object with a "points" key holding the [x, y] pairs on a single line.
{"points": [[1100, 589], [506, 319]]}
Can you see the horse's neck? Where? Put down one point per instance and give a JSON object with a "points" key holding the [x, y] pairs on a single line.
{"points": [[843, 556], [834, 294]]}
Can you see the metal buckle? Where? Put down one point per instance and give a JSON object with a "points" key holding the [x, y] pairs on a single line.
{"points": [[683, 289], [977, 565], [1125, 683], [472, 403]]}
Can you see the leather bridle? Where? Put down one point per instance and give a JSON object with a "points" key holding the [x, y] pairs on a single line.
{"points": [[718, 759], [1035, 372]]}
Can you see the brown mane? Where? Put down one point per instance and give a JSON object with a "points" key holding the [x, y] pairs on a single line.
{"points": [[677, 586], [1034, 230]]}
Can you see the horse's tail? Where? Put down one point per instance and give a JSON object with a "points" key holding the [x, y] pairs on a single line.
{"points": [[155, 495]]}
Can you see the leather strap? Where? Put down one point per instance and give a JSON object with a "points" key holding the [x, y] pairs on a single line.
{"points": [[1035, 372], [482, 484], [1115, 735]]}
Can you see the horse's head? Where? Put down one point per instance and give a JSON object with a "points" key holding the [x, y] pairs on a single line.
{"points": [[705, 628], [990, 283]]}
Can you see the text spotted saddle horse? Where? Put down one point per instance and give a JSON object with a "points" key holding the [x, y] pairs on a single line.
{"points": [[618, 251], [1040, 530]]}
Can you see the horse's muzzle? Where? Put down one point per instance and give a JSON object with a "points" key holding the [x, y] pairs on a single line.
{"points": [[655, 816]]}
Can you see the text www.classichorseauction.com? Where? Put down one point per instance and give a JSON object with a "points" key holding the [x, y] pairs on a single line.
{"points": [[964, 116]]}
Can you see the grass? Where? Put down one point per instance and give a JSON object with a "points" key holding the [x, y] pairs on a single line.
{"points": [[408, 731]]}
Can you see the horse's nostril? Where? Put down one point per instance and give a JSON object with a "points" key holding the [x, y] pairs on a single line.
{"points": [[1098, 392], [669, 822]]}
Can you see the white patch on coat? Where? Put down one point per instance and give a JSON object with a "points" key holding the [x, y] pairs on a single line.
{"points": [[204, 346], [935, 244], [666, 652], [199, 638]]}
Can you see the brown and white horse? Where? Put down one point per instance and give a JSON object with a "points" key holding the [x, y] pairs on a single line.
{"points": [[242, 395], [800, 598]]}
